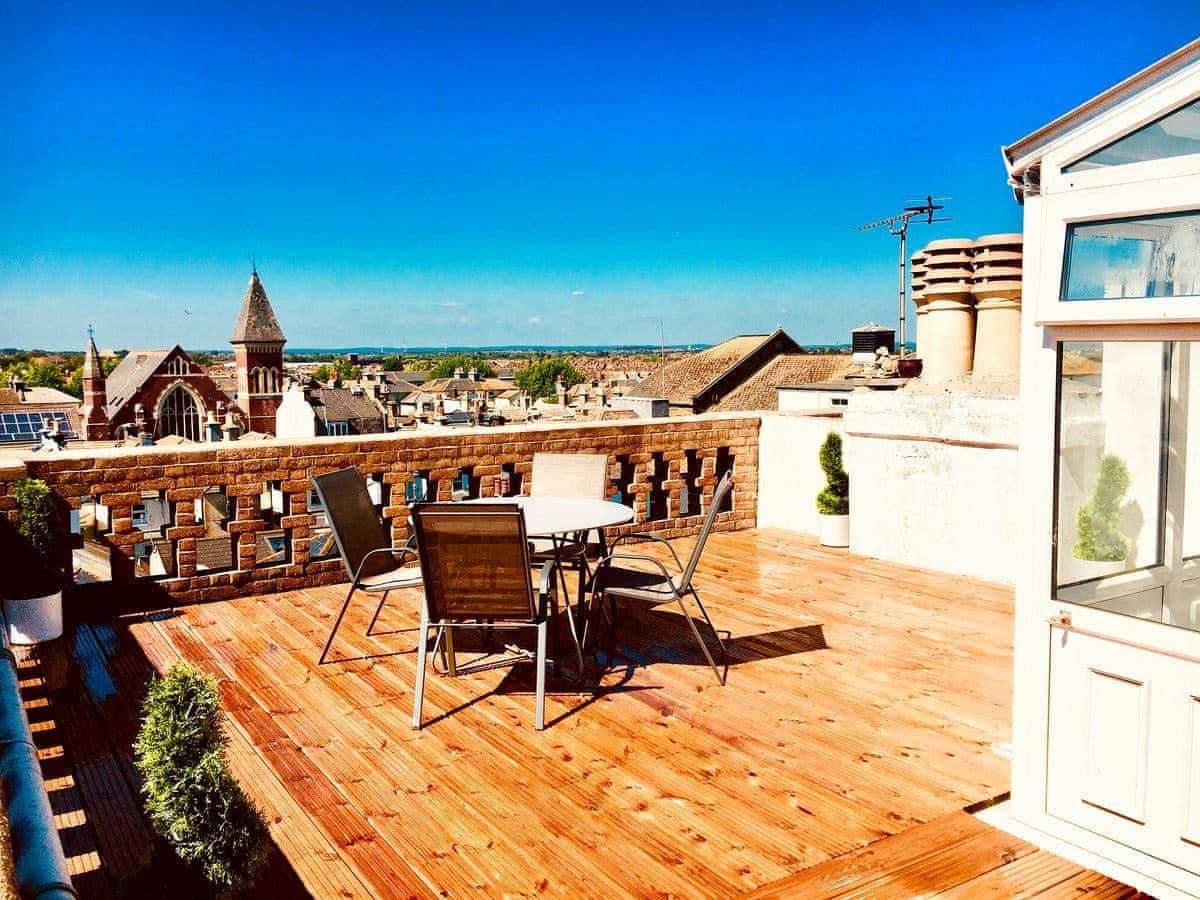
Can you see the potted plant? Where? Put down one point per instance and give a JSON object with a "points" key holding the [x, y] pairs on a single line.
{"points": [[1101, 549], [833, 503], [33, 607]]}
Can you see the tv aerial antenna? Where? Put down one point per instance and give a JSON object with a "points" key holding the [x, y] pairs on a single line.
{"points": [[922, 211]]}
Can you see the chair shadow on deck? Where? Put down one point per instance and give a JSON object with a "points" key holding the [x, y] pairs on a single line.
{"points": [[651, 634]]}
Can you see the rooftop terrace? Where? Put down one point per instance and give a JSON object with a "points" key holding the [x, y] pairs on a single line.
{"points": [[863, 704]]}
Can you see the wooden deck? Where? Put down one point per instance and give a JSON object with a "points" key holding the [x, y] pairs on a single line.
{"points": [[859, 718]]}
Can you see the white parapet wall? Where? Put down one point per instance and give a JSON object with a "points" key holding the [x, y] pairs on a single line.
{"points": [[789, 475], [934, 481], [933, 478]]}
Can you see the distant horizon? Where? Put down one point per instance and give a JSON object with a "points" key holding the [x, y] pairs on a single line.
{"points": [[541, 174], [565, 350]]}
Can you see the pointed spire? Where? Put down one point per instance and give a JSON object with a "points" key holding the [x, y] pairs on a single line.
{"points": [[91, 358], [256, 323]]}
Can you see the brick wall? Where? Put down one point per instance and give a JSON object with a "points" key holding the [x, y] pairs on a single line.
{"points": [[646, 459]]}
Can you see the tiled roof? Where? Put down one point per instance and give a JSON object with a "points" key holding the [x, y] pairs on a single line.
{"points": [[256, 323], [1075, 363], [681, 381], [758, 391]]}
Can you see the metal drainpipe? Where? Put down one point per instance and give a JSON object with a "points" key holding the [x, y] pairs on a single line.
{"points": [[39, 864]]}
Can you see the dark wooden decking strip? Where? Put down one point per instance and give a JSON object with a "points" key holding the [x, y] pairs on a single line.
{"points": [[862, 704]]}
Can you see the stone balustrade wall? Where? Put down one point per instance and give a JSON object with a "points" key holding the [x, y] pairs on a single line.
{"points": [[267, 539]]}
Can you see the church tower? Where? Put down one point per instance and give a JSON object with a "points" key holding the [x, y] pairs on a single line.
{"points": [[95, 396], [258, 354]]}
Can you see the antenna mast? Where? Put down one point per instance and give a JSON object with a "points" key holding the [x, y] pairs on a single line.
{"points": [[897, 225]]}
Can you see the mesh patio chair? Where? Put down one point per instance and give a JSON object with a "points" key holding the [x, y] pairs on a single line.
{"points": [[475, 563], [373, 564], [657, 584], [567, 475]]}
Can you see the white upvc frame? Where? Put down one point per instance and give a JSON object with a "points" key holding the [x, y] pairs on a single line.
{"points": [[1137, 189], [1111, 192]]}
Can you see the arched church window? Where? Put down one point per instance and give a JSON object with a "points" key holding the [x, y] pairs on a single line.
{"points": [[179, 415], [177, 366]]}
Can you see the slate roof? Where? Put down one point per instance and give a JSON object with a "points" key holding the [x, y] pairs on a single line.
{"points": [[342, 405], [256, 323], [43, 400], [684, 379], [759, 391], [130, 374], [91, 361]]}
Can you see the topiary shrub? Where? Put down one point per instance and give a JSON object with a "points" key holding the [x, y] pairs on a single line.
{"points": [[834, 499], [1097, 520], [192, 800]]}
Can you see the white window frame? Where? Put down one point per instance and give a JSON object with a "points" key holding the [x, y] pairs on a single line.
{"points": [[1146, 188]]}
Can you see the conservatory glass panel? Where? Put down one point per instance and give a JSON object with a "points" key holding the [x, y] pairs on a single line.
{"points": [[1175, 134], [1111, 451], [1149, 256]]}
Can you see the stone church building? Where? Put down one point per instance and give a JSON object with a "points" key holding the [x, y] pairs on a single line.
{"points": [[160, 393]]}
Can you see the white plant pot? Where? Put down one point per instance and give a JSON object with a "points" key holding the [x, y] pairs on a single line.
{"points": [[34, 620], [834, 531], [1090, 569]]}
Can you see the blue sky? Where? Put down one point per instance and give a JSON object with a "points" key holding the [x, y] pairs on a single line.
{"points": [[512, 173]]}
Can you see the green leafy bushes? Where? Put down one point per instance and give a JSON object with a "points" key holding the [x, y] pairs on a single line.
{"points": [[192, 800], [834, 499], [40, 530], [1097, 520]]}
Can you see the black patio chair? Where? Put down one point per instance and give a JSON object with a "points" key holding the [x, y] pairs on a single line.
{"points": [[373, 564]]}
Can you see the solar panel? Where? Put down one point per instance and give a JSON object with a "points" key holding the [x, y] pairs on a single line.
{"points": [[26, 427]]}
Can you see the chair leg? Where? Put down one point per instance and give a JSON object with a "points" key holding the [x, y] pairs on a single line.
{"points": [[419, 689], [539, 714], [554, 635], [700, 640], [333, 631], [448, 651], [378, 610]]}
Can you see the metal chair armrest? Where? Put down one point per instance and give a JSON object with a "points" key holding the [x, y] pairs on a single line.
{"points": [[400, 552], [640, 558], [650, 537]]}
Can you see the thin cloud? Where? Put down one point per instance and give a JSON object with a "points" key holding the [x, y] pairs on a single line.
{"points": [[462, 320], [576, 293], [534, 320], [450, 304]]}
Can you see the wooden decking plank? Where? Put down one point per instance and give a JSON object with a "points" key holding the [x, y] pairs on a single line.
{"points": [[1036, 873], [859, 715], [349, 832]]}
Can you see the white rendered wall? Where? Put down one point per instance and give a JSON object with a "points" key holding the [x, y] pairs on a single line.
{"points": [[789, 474], [933, 481], [933, 478], [295, 417], [796, 400]]}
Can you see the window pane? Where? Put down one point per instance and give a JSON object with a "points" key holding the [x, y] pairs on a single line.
{"points": [[1175, 134], [1110, 458], [1151, 256]]}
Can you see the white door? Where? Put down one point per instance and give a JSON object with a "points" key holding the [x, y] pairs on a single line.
{"points": [[1123, 745]]}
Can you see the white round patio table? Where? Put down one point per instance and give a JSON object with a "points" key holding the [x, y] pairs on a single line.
{"points": [[558, 517]]}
